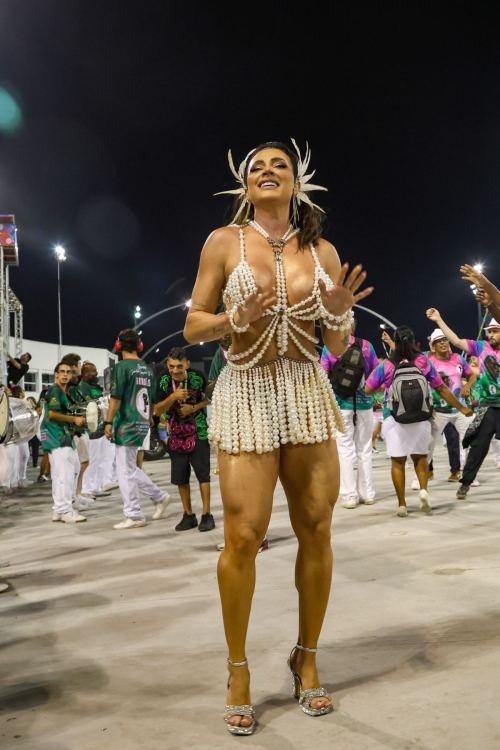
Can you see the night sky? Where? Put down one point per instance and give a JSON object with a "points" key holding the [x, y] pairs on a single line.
{"points": [[128, 110]]}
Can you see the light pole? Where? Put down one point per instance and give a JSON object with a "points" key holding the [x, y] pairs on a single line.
{"points": [[60, 255]]}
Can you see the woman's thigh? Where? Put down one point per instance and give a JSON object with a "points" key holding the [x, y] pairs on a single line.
{"points": [[247, 484], [310, 475]]}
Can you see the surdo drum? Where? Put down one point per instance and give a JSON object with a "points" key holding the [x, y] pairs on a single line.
{"points": [[18, 420]]}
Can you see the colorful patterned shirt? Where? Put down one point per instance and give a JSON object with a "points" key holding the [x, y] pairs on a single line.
{"points": [[384, 373], [195, 384], [481, 350], [363, 400], [451, 371]]}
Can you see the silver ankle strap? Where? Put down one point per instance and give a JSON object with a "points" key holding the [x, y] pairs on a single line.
{"points": [[237, 663], [310, 650]]}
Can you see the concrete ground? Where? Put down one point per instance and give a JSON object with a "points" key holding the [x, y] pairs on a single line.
{"points": [[113, 640]]}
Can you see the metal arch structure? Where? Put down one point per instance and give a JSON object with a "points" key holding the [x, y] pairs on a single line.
{"points": [[16, 308], [158, 343], [377, 315], [160, 312]]}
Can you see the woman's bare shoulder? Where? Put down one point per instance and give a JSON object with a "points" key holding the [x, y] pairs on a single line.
{"points": [[222, 237], [327, 254]]}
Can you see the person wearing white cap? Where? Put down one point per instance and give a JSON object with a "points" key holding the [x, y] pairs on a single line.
{"points": [[487, 421], [452, 369]]}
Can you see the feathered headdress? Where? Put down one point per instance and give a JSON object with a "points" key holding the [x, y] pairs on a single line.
{"points": [[302, 178]]}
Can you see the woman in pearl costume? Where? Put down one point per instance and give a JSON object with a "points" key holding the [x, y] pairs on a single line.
{"points": [[274, 412]]}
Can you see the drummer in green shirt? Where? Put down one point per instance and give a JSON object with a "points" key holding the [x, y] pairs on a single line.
{"points": [[57, 440]]}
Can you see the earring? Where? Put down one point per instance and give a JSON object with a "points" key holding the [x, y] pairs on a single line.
{"points": [[295, 213]]}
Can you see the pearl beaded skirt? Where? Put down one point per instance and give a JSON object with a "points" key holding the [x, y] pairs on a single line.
{"points": [[283, 401]]}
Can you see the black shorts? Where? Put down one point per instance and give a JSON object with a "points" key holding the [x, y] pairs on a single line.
{"points": [[199, 459]]}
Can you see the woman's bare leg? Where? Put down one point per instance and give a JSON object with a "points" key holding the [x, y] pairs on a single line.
{"points": [[421, 470], [398, 477], [247, 483], [310, 475]]}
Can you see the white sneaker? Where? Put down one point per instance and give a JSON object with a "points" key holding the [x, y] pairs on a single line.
{"points": [[402, 511], [23, 483], [351, 502], [80, 504], [86, 498], [6, 491], [475, 483], [72, 516], [415, 485], [161, 507], [370, 501], [110, 486], [129, 523], [56, 517], [425, 505], [102, 493]]}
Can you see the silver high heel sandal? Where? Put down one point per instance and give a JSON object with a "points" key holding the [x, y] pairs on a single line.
{"points": [[306, 696], [239, 710]]}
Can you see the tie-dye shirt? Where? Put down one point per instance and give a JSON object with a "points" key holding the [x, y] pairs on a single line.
{"points": [[481, 350], [384, 373], [363, 400], [454, 368]]}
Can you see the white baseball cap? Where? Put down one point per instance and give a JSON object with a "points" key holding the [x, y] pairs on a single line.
{"points": [[493, 324], [435, 335]]}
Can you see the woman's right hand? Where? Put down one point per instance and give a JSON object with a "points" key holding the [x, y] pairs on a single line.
{"points": [[467, 411], [254, 307]]}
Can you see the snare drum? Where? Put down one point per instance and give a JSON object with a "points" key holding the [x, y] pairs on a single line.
{"points": [[23, 421], [95, 411]]}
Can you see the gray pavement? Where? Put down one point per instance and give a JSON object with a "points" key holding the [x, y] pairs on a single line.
{"points": [[114, 639]]}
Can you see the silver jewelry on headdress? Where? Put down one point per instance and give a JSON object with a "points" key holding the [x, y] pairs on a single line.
{"points": [[302, 179]]}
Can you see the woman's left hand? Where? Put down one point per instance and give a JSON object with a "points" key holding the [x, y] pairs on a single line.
{"points": [[342, 296]]}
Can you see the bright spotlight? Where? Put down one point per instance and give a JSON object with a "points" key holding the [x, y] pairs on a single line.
{"points": [[157, 350], [138, 308], [60, 253], [382, 325], [137, 315], [478, 267], [188, 303], [139, 333]]}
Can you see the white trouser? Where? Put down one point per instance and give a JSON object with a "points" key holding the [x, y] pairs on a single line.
{"points": [[24, 456], [76, 461], [62, 469], [495, 447], [109, 463], [439, 423], [356, 441], [133, 480], [93, 476], [8, 465]]}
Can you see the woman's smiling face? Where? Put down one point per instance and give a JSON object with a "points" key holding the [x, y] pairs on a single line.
{"points": [[270, 178]]}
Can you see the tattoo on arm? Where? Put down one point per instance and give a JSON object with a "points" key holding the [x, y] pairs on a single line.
{"points": [[345, 341], [198, 304], [216, 331]]}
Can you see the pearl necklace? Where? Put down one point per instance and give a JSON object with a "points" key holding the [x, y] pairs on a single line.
{"points": [[241, 284]]}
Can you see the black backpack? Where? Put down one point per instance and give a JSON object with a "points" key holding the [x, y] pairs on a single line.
{"points": [[410, 399], [348, 373]]}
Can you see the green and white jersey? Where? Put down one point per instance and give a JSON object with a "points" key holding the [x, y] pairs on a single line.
{"points": [[134, 385], [56, 434], [88, 392]]}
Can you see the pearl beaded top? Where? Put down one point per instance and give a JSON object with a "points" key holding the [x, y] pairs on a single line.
{"points": [[284, 317]]}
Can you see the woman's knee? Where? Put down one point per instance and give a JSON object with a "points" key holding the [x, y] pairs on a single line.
{"points": [[315, 532], [244, 539]]}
